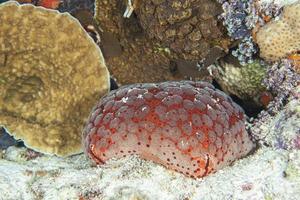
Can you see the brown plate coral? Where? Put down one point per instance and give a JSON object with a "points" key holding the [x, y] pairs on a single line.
{"points": [[51, 74]]}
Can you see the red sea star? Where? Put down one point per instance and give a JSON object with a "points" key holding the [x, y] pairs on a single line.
{"points": [[187, 126]]}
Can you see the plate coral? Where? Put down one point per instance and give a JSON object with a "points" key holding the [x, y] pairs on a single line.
{"points": [[51, 75]]}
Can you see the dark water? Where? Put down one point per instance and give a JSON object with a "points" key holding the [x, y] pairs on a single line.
{"points": [[6, 140]]}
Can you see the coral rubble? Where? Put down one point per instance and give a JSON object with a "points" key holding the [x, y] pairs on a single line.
{"points": [[51, 75]]}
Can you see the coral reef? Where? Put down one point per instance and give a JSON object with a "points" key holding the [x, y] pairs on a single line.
{"points": [[240, 17], [281, 130], [130, 56], [245, 51], [186, 126], [271, 8], [189, 29], [280, 38], [281, 80], [278, 126], [51, 74], [244, 82]]}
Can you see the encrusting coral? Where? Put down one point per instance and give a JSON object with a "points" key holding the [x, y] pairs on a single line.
{"points": [[51, 74], [280, 38], [130, 55], [240, 17], [190, 29], [281, 129], [187, 126], [278, 126], [244, 82]]}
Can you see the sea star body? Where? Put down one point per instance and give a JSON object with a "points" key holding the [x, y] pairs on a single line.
{"points": [[187, 126]]}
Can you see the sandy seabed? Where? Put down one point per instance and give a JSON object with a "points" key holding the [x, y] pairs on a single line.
{"points": [[267, 174]]}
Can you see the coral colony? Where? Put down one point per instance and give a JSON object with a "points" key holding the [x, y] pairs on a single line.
{"points": [[47, 92], [190, 31], [279, 39], [245, 51], [52, 73], [283, 82], [239, 17], [189, 127]]}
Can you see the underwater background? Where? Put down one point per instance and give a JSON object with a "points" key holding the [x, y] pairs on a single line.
{"points": [[135, 99]]}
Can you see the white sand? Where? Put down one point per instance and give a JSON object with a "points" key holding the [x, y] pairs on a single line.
{"points": [[268, 174]]}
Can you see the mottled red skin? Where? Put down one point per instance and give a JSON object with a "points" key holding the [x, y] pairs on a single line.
{"points": [[187, 126], [51, 4]]}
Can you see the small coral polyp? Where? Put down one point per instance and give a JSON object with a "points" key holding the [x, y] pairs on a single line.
{"points": [[186, 126]]}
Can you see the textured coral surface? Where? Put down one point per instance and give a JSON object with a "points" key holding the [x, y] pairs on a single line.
{"points": [[51, 73], [129, 55], [189, 28], [243, 81], [280, 38], [186, 126]]}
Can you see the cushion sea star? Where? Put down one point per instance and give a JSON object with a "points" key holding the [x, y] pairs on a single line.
{"points": [[187, 126]]}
